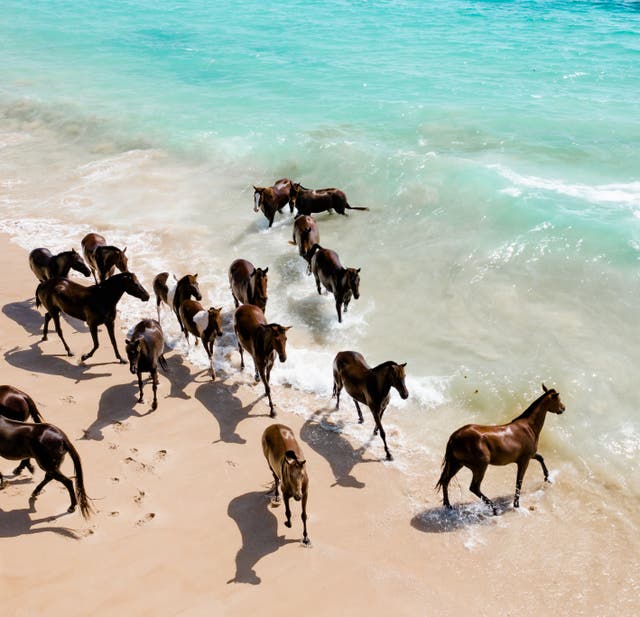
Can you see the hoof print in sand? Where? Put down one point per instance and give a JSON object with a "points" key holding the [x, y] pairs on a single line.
{"points": [[146, 518], [139, 497]]}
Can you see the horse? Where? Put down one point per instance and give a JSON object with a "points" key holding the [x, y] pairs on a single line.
{"points": [[248, 284], [369, 386], [340, 281], [309, 201], [305, 236], [145, 349], [46, 265], [18, 405], [272, 199], [262, 340], [174, 295], [288, 466], [48, 445], [204, 324], [476, 446], [102, 257], [96, 305]]}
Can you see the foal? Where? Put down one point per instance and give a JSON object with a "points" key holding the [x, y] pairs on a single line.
{"points": [[476, 446], [204, 325], [103, 258], [175, 294]]}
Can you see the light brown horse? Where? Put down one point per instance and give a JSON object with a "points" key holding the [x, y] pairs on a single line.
{"points": [[369, 386], [175, 294], [45, 265], [288, 466], [340, 281], [476, 446], [102, 257], [248, 284], [305, 236], [205, 325], [145, 350], [48, 445], [262, 340], [272, 199], [95, 304]]}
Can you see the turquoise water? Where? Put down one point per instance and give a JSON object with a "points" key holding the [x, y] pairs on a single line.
{"points": [[496, 143]]}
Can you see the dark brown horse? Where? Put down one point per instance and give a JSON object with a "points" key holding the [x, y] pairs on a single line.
{"points": [[310, 201], [272, 199], [145, 349], [174, 293], [95, 304], [369, 386], [476, 446], [340, 281], [305, 236], [205, 325], [288, 466], [248, 283], [18, 405], [45, 265], [102, 257], [48, 445], [262, 340]]}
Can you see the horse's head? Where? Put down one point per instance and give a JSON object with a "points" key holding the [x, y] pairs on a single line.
{"points": [[133, 353], [133, 287], [190, 285], [257, 197], [259, 281], [121, 262], [399, 376], [552, 401], [353, 281], [77, 263], [278, 335], [215, 319], [294, 472]]}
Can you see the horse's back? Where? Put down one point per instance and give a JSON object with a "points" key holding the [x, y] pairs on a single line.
{"points": [[14, 403], [277, 439], [240, 271], [39, 263]]}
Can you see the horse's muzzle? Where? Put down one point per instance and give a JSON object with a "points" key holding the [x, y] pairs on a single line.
{"points": [[282, 357]]}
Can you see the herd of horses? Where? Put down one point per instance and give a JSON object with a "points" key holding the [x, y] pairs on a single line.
{"points": [[472, 446]]}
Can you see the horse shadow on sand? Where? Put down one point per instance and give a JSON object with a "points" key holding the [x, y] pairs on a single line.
{"points": [[445, 520], [178, 375], [328, 441], [26, 315], [19, 523], [259, 530], [222, 402]]}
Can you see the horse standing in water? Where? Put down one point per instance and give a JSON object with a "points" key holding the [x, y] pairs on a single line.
{"points": [[369, 386], [95, 304], [248, 284], [263, 341], [45, 265], [305, 236], [102, 257], [205, 325], [175, 295], [476, 446], [272, 199], [48, 445]]}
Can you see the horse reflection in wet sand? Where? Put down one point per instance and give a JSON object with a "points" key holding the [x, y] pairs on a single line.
{"points": [[476, 446]]}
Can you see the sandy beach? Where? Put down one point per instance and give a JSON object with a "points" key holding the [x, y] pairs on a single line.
{"points": [[183, 523]]}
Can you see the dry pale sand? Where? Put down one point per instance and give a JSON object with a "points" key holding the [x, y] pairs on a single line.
{"points": [[183, 525]]}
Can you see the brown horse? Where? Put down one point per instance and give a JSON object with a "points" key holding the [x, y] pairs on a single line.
{"points": [[262, 340], [103, 258], [305, 236], [18, 405], [175, 294], [45, 265], [95, 304], [369, 386], [205, 325], [340, 281], [272, 199], [145, 349], [476, 446], [48, 445], [288, 466], [248, 284], [310, 201]]}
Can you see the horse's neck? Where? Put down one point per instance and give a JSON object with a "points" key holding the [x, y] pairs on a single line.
{"points": [[112, 289], [534, 415], [56, 265], [264, 339], [381, 380]]}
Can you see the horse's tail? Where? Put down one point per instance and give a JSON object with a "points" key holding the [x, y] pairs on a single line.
{"points": [[83, 500], [356, 208], [445, 476], [38, 303], [163, 363], [33, 411], [311, 252]]}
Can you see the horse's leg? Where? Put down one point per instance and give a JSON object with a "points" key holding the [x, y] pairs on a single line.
{"points": [[360, 418], [305, 535], [522, 468], [287, 509], [545, 471], [208, 347], [56, 321], [158, 302], [182, 328], [94, 336], [339, 308], [453, 468], [337, 388], [376, 417], [112, 336], [140, 386], [45, 329], [47, 478], [241, 356], [476, 481], [57, 475], [235, 299], [277, 482], [25, 463], [154, 383], [2, 482], [315, 274], [267, 389]]}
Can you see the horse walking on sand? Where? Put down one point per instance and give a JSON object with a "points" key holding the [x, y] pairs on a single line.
{"points": [[103, 258], [262, 340], [205, 325], [248, 284], [288, 466], [96, 305], [47, 444], [476, 446], [46, 265], [18, 405], [175, 294], [369, 386]]}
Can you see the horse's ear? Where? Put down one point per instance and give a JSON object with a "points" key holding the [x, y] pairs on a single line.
{"points": [[265, 270], [403, 364], [124, 250], [127, 341], [285, 328], [195, 276], [358, 270], [218, 310], [545, 388]]}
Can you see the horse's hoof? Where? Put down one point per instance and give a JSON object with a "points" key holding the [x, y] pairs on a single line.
{"points": [[306, 541], [71, 509], [140, 400], [122, 361], [389, 457], [287, 524], [71, 354], [360, 420], [548, 481], [83, 357], [154, 406]]}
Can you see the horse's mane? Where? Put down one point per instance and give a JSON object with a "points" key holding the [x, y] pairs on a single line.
{"points": [[528, 411], [384, 365]]}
